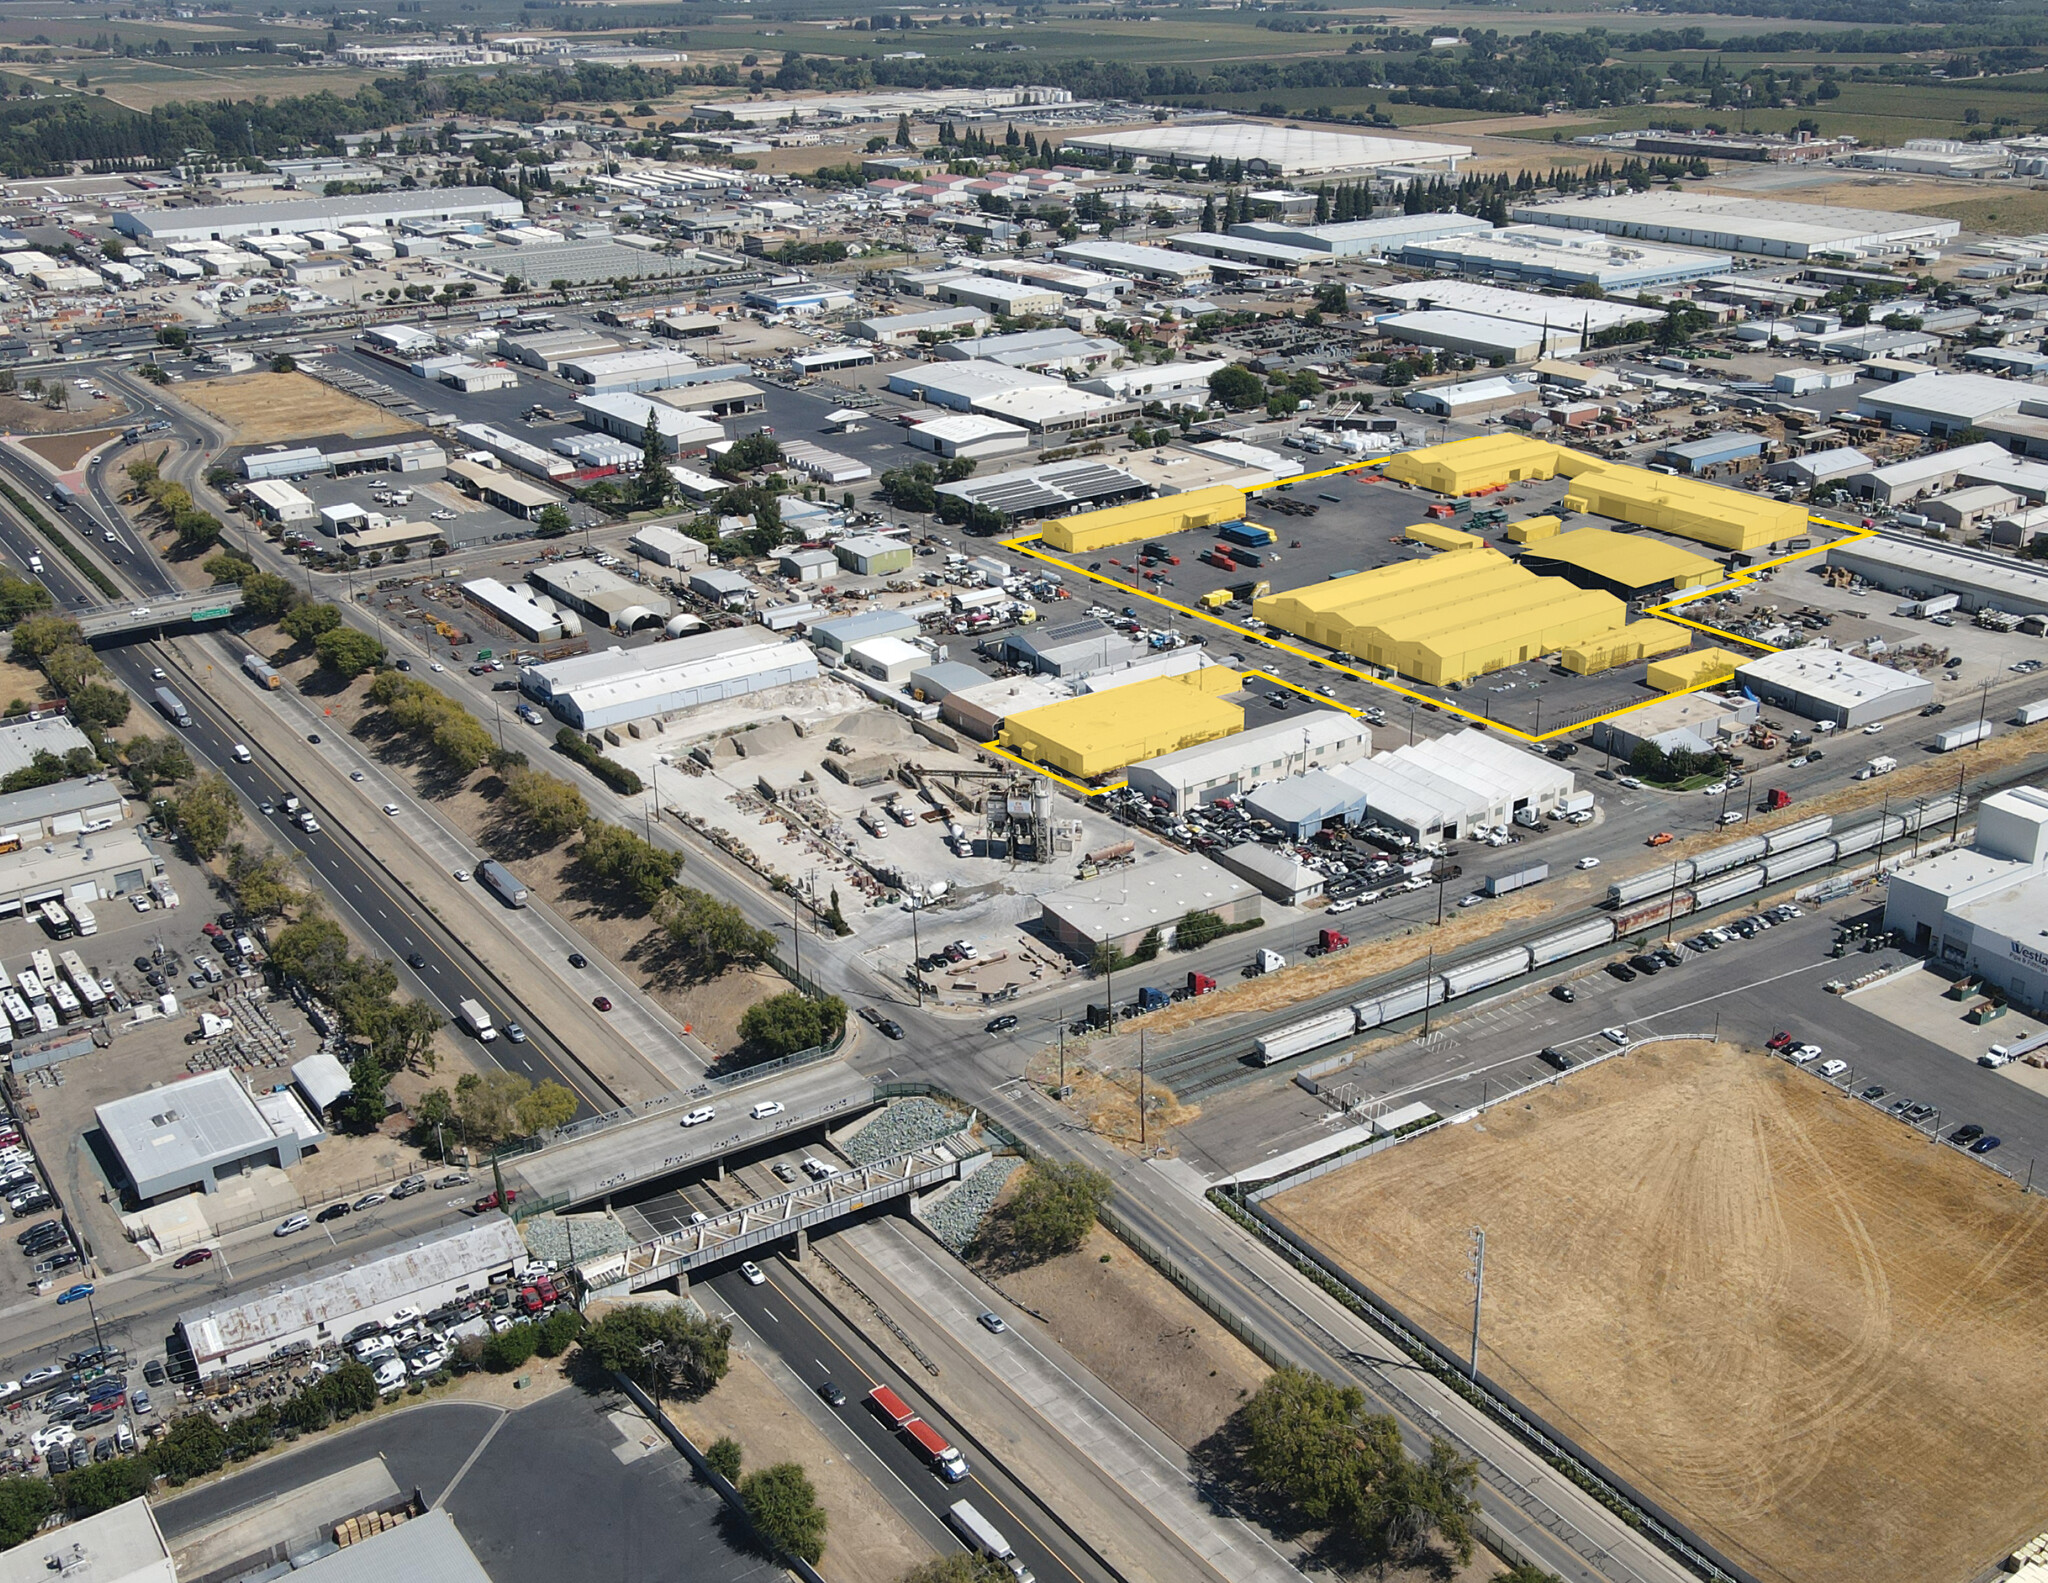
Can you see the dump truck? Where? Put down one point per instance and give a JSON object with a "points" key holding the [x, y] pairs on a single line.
{"points": [[944, 1459]]}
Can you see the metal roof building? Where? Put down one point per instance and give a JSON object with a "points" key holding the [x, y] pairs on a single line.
{"points": [[603, 596], [842, 633], [1120, 908], [613, 373], [120, 1545], [22, 740], [323, 1306], [1742, 225], [1132, 258], [223, 222], [1714, 450], [1101, 732], [1268, 150], [192, 1133], [1055, 487], [592, 691], [517, 607], [1917, 567], [1304, 804], [1826, 684], [1073, 648], [1363, 238], [1545, 256], [423, 1549], [1475, 335], [1444, 787], [1233, 766], [1941, 404], [1630, 565]]}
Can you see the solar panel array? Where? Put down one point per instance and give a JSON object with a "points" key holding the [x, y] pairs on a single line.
{"points": [[1038, 491]]}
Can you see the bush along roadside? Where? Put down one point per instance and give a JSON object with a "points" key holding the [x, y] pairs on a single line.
{"points": [[61, 540]]}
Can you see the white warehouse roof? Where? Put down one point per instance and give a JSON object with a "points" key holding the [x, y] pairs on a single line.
{"points": [[226, 221], [1271, 150], [1741, 225]]}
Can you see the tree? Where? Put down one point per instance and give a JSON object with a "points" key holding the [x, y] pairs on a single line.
{"points": [[712, 934], [347, 652], [36, 637], [267, 596], [1056, 1207], [155, 761], [262, 882], [903, 131], [786, 1023], [194, 1447], [283, 364], [461, 743], [545, 1106], [549, 808], [638, 872], [1330, 298], [205, 814], [98, 707], [104, 1485], [724, 1456], [664, 1349], [1197, 928], [553, 523], [19, 597], [307, 621], [1237, 387], [783, 1507], [1526, 1572], [486, 1103], [558, 1332], [229, 568], [197, 531], [511, 1347], [25, 1505]]}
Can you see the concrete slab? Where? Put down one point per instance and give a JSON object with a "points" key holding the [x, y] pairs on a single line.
{"points": [[286, 1518]]}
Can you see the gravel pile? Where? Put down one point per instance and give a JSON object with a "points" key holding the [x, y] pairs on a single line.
{"points": [[548, 1237], [908, 1124], [956, 1219]]}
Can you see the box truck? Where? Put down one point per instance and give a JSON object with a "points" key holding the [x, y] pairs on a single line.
{"points": [[472, 1016]]}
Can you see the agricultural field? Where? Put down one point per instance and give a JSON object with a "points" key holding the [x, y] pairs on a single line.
{"points": [[1805, 1330], [261, 409]]}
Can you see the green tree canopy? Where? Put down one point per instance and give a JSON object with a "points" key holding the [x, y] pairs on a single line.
{"points": [[1237, 387], [783, 1507], [205, 814], [668, 1349], [638, 872], [1056, 1208], [787, 1023], [347, 652]]}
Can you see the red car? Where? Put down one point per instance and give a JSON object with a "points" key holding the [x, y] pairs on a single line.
{"points": [[1778, 1041], [490, 1200], [601, 1002], [185, 1261]]}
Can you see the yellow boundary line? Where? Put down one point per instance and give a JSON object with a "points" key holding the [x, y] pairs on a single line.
{"points": [[1023, 543]]}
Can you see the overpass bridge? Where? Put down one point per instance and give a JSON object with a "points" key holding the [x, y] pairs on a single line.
{"points": [[126, 623], [677, 1255]]}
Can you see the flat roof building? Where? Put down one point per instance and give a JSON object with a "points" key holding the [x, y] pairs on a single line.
{"points": [[22, 739], [1132, 258], [1197, 776], [1101, 732], [665, 546], [1978, 910], [1629, 565], [593, 691], [1546, 256], [322, 1306], [1121, 908], [122, 1544], [385, 210], [1474, 335], [1943, 404], [1920, 569], [1697, 722], [968, 434], [605, 597], [1826, 684], [194, 1133], [625, 417], [873, 554], [615, 373], [903, 329], [1743, 225], [1268, 150], [1363, 238]]}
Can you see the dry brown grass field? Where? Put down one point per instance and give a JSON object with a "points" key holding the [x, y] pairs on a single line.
{"points": [[262, 409], [1815, 1336]]}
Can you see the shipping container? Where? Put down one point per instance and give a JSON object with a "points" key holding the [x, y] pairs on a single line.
{"points": [[1488, 970], [2031, 714], [1939, 605], [1714, 891], [1792, 835], [1961, 736], [1248, 533], [1587, 936], [1521, 878], [1311, 1034]]}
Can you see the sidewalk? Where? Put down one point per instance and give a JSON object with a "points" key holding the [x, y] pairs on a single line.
{"points": [[1151, 1472]]}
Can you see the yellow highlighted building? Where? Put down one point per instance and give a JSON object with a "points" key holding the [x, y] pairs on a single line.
{"points": [[1466, 466], [1534, 530], [1727, 519], [1102, 732], [1703, 669], [1446, 618], [1602, 651], [1145, 519], [1442, 538], [1623, 563]]}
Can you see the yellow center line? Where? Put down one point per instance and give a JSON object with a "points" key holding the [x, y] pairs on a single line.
{"points": [[1023, 544]]}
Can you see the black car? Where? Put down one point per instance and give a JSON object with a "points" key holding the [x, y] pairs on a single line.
{"points": [[1622, 971], [153, 1371], [331, 1212], [1555, 1057], [1643, 962], [1002, 1024], [416, 961], [1874, 1093], [144, 965], [890, 1029], [833, 1395], [577, 959], [41, 1228], [1968, 1134], [1564, 992]]}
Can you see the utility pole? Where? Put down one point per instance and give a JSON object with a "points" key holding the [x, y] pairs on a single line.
{"points": [[917, 956], [1428, 973], [1478, 1297], [1141, 1091], [796, 938]]}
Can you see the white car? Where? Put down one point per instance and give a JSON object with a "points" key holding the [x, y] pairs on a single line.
{"points": [[404, 1316], [443, 516], [1803, 1053], [1588, 862], [751, 1273], [391, 808], [1342, 906], [767, 1108], [1615, 1035], [1832, 1068], [291, 1224], [1873, 728], [698, 1117]]}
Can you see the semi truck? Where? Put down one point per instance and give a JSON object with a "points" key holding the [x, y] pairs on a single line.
{"points": [[892, 1409], [1501, 884], [502, 882], [943, 1458], [472, 1016], [984, 1538], [1961, 736], [173, 709], [261, 673]]}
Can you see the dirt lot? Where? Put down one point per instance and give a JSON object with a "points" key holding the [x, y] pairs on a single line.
{"points": [[260, 409], [21, 413], [27, 685], [865, 1541], [1138, 1334], [66, 451], [1790, 1319]]}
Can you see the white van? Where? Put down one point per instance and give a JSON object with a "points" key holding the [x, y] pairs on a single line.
{"points": [[241, 754]]}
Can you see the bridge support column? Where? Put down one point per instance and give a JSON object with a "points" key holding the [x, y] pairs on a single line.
{"points": [[803, 1247], [721, 1168], [682, 1280]]}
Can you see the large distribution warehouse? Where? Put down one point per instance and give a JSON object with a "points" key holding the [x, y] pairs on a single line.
{"points": [[1743, 225], [1269, 150], [1622, 563], [1145, 519], [1234, 765], [1100, 732]]}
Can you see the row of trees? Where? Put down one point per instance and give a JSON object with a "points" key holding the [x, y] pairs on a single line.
{"points": [[195, 529], [435, 723]]}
